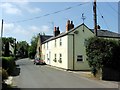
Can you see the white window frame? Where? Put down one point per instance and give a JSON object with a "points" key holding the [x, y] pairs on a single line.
{"points": [[60, 41], [60, 58], [44, 46], [79, 58], [47, 45], [55, 42], [55, 59]]}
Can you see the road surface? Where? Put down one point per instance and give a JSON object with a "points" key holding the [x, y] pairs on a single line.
{"points": [[37, 76]]}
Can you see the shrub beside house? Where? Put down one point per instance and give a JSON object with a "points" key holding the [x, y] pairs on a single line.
{"points": [[8, 65], [103, 55]]}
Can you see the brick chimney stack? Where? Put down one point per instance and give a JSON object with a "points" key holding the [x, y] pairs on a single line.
{"points": [[69, 25], [56, 31], [72, 25]]}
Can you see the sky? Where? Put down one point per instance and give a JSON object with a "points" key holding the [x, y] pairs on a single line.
{"points": [[23, 19]]}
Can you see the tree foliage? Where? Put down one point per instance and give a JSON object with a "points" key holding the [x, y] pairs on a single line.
{"points": [[22, 49], [5, 45], [33, 46], [103, 52]]}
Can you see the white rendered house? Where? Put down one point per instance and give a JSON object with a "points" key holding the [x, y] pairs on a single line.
{"points": [[67, 50]]}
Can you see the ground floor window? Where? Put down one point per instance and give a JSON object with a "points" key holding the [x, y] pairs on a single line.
{"points": [[60, 59], [79, 58], [47, 57], [44, 57], [55, 58]]}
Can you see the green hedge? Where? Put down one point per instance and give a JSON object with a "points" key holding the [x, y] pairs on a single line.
{"points": [[103, 53], [8, 63]]}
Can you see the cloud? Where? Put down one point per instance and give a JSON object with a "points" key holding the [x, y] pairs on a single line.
{"points": [[26, 7], [41, 29], [45, 29], [18, 8], [33, 10], [24, 33], [8, 26], [10, 9]]}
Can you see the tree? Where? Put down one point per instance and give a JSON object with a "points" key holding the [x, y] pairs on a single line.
{"points": [[5, 45], [22, 49], [33, 46]]}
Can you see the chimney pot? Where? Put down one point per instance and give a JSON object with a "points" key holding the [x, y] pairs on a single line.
{"points": [[98, 26], [69, 25], [68, 22], [72, 25], [55, 29]]}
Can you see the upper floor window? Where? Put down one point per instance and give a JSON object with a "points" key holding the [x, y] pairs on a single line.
{"points": [[60, 42], [55, 42], [47, 45], [44, 46]]}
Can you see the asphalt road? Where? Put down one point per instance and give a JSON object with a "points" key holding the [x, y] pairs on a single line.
{"points": [[29, 75]]}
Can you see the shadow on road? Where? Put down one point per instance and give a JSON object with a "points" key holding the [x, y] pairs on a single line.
{"points": [[16, 71]]}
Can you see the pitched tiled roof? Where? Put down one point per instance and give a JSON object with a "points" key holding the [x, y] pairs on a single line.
{"points": [[45, 37], [101, 33], [106, 33], [63, 34]]}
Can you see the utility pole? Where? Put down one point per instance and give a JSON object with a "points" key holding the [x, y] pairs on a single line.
{"points": [[2, 29], [1, 43], [95, 18]]}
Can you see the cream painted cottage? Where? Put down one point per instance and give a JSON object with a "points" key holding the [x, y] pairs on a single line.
{"points": [[67, 50]]}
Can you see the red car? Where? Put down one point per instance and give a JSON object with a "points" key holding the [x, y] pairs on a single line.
{"points": [[38, 61]]}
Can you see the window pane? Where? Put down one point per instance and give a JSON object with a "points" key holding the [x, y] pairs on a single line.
{"points": [[55, 43], [60, 41], [79, 58]]}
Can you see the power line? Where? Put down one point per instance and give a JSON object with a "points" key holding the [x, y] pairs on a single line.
{"points": [[113, 9], [103, 18], [68, 8], [2, 29]]}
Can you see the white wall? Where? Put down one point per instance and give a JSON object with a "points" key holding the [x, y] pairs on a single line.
{"points": [[63, 49]]}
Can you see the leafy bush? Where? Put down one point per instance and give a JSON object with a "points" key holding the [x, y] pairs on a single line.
{"points": [[103, 53], [4, 74], [8, 63]]}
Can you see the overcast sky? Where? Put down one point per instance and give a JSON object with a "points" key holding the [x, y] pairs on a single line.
{"points": [[22, 20]]}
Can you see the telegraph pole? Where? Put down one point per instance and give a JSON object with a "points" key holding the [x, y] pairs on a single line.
{"points": [[95, 18], [2, 29], [1, 43]]}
